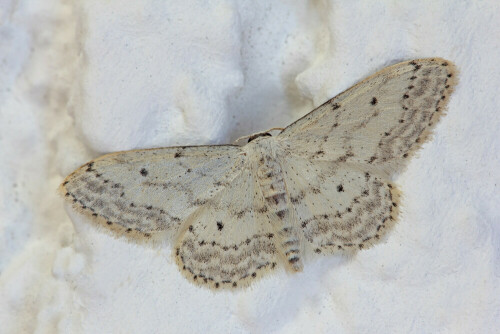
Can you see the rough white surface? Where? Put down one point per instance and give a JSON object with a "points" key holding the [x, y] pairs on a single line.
{"points": [[79, 81]]}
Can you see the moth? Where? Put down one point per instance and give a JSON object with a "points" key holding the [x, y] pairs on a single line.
{"points": [[321, 186]]}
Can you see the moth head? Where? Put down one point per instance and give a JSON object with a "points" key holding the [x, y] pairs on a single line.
{"points": [[257, 135], [246, 139], [250, 138]]}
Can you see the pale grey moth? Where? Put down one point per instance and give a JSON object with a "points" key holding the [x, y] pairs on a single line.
{"points": [[321, 186]]}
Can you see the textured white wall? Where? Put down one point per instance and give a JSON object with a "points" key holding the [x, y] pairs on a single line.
{"points": [[77, 81]]}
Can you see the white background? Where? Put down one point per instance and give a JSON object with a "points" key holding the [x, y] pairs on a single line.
{"points": [[77, 81]]}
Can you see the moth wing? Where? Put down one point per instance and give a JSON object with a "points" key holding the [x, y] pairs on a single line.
{"points": [[380, 121], [339, 208], [151, 193], [229, 242]]}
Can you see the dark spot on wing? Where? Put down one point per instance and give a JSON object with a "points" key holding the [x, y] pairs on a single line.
{"points": [[220, 226]]}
